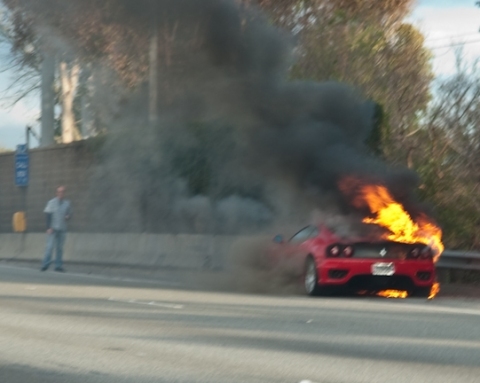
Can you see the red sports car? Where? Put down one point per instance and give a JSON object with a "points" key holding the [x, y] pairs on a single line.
{"points": [[332, 263]]}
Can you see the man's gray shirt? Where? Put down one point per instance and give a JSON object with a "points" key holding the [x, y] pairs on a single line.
{"points": [[58, 209]]}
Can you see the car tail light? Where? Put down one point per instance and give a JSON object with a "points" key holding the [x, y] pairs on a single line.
{"points": [[347, 251], [414, 253], [334, 251]]}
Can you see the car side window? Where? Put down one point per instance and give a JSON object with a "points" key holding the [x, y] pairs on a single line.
{"points": [[302, 235], [314, 233]]}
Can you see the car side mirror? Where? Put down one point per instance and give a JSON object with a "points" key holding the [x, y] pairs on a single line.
{"points": [[278, 238]]}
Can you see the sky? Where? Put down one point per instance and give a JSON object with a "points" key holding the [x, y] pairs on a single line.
{"points": [[443, 22]]}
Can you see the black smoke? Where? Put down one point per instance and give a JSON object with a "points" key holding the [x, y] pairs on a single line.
{"points": [[237, 146], [309, 133]]}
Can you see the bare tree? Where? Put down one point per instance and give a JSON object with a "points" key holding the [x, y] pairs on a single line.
{"points": [[36, 57], [447, 153], [22, 58]]}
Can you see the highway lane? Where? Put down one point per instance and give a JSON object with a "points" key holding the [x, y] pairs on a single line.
{"points": [[72, 328]]}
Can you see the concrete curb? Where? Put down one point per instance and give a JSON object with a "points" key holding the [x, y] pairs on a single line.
{"points": [[182, 251]]}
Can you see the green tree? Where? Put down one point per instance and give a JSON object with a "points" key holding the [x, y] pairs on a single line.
{"points": [[368, 44]]}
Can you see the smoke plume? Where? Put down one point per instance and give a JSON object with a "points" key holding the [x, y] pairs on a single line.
{"points": [[236, 146]]}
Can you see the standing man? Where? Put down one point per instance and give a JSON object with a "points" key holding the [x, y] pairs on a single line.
{"points": [[58, 211]]}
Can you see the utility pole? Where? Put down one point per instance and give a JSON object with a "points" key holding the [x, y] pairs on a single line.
{"points": [[153, 58]]}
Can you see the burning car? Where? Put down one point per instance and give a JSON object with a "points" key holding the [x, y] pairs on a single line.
{"points": [[397, 258], [332, 262]]}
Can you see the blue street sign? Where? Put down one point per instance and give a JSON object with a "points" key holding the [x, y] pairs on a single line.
{"points": [[22, 149], [21, 166]]}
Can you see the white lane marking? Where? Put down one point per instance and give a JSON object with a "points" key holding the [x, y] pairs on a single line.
{"points": [[147, 281], [122, 279], [150, 303]]}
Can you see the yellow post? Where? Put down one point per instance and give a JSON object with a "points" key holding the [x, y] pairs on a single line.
{"points": [[19, 222]]}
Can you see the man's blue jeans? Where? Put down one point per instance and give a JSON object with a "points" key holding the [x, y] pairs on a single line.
{"points": [[57, 240]]}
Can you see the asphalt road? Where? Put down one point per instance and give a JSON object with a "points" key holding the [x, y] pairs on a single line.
{"points": [[71, 328]]}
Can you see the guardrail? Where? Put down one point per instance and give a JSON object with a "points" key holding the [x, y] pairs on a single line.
{"points": [[461, 260]]}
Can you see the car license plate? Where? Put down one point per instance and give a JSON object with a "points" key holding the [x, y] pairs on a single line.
{"points": [[383, 268]]}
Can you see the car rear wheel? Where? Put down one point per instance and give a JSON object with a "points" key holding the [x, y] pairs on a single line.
{"points": [[311, 277]]}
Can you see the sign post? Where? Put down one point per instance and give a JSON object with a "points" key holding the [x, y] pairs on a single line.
{"points": [[22, 173], [22, 166]]}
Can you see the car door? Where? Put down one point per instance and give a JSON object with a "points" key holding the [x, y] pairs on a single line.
{"points": [[300, 242], [294, 248]]}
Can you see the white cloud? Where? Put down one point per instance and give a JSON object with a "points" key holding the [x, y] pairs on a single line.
{"points": [[444, 26], [13, 122]]}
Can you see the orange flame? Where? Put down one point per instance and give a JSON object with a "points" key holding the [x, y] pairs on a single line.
{"points": [[393, 293], [434, 291], [389, 214], [404, 294]]}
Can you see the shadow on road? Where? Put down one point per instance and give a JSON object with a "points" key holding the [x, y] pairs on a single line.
{"points": [[16, 373]]}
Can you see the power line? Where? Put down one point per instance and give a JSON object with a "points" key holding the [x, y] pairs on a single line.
{"points": [[455, 44], [453, 37]]}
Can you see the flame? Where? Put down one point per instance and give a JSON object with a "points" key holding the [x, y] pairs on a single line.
{"points": [[434, 291], [393, 294], [404, 294], [389, 214]]}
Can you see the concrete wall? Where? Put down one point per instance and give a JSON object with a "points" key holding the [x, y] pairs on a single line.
{"points": [[184, 252], [145, 250], [68, 165]]}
